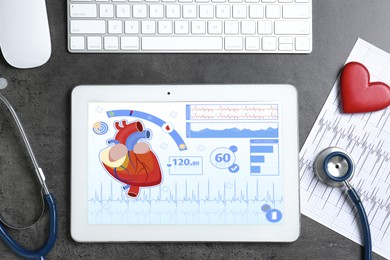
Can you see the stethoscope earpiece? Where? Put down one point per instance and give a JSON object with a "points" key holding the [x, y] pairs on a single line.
{"points": [[3, 83]]}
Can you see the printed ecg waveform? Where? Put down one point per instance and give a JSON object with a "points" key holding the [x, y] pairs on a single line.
{"points": [[232, 112], [179, 205], [367, 138]]}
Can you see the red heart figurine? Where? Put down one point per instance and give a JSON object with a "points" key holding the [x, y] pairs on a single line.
{"points": [[358, 94]]}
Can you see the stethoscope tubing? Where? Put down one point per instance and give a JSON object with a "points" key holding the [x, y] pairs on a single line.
{"points": [[45, 249], [321, 168], [364, 222], [48, 197]]}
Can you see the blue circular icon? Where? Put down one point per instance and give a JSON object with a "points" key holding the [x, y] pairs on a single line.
{"points": [[265, 207], [233, 148], [273, 215], [100, 128], [234, 168]]}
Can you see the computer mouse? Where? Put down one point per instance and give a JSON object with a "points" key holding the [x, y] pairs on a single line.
{"points": [[24, 33]]}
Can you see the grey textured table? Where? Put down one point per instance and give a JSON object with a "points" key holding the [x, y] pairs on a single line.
{"points": [[41, 96]]}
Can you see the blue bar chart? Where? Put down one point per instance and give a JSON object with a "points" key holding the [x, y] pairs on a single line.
{"points": [[264, 157]]}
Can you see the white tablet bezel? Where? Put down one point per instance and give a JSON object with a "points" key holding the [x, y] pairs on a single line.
{"points": [[285, 95]]}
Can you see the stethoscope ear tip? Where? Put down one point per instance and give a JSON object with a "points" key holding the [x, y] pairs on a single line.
{"points": [[3, 83]]}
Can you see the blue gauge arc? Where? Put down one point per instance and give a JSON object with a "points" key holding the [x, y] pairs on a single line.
{"points": [[148, 117]]}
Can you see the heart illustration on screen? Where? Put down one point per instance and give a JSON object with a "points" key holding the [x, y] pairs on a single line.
{"points": [[359, 95], [130, 159]]}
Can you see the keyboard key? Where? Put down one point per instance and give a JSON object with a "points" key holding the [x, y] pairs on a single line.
{"points": [[129, 43], [233, 43], [148, 27], [77, 43], [286, 43], [181, 27], [286, 47], [139, 11], [94, 43], [269, 43], [239, 11], [252, 43], [83, 10], [123, 11], [165, 27], [106, 11], [256, 11], [272, 11], [215, 27], [111, 43], [302, 43], [131, 27], [87, 26], [291, 27], [198, 27], [206, 11], [296, 11], [285, 39], [156, 11], [231, 27], [181, 43], [222, 11], [189, 11], [173, 11], [264, 27], [114, 26], [248, 27]]}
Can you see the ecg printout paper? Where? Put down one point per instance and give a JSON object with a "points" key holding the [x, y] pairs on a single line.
{"points": [[367, 138]]}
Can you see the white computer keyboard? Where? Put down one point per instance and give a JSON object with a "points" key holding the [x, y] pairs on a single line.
{"points": [[256, 26]]}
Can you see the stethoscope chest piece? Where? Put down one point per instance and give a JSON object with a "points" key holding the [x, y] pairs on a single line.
{"points": [[334, 166]]}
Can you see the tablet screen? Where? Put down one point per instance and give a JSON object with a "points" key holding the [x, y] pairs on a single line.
{"points": [[184, 163]]}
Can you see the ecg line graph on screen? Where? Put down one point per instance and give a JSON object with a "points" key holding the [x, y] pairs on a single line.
{"points": [[130, 160]]}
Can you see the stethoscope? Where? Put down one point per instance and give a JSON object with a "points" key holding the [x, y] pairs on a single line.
{"points": [[48, 198], [335, 167]]}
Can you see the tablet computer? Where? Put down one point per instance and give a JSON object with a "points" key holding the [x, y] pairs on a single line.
{"points": [[184, 163]]}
